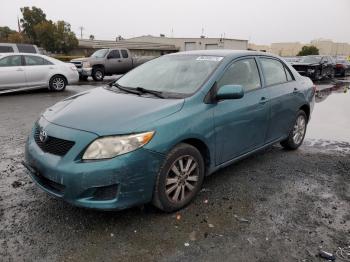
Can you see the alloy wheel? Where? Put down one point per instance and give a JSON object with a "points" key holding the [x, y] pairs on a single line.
{"points": [[299, 129], [182, 179], [58, 83]]}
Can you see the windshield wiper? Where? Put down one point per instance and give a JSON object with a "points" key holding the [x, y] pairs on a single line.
{"points": [[127, 89], [147, 91]]}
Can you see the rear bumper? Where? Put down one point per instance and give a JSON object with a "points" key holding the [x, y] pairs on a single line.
{"points": [[117, 183]]}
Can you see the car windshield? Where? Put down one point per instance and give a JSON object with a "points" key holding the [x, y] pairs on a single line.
{"points": [[100, 53], [311, 59], [180, 74]]}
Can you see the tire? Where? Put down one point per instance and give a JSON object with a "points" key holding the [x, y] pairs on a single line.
{"points": [[98, 73], [83, 78], [297, 134], [176, 187], [57, 83]]}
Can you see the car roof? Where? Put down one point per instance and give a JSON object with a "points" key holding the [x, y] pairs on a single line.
{"points": [[225, 53]]}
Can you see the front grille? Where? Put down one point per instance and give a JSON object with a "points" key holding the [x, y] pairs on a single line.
{"points": [[78, 64], [53, 145]]}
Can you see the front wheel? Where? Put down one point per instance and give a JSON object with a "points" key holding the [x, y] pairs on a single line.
{"points": [[296, 136], [57, 83], [179, 179], [98, 74]]}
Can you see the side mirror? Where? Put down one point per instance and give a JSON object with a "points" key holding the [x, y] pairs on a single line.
{"points": [[230, 92]]}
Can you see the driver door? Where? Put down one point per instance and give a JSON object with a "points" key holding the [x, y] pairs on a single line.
{"points": [[241, 124], [113, 62]]}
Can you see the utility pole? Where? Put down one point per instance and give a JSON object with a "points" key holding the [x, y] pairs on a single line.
{"points": [[81, 31]]}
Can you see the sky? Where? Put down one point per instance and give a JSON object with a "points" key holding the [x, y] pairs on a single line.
{"points": [[259, 21]]}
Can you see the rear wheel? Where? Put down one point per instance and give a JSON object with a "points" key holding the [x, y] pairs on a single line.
{"points": [[98, 73], [58, 83], [296, 136], [179, 179]]}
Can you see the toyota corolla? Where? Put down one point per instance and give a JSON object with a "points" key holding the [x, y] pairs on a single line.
{"points": [[157, 132]]}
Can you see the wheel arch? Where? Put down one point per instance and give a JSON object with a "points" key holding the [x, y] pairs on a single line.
{"points": [[306, 109], [98, 66], [202, 147]]}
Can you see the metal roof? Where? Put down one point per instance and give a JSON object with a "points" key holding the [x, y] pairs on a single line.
{"points": [[132, 45]]}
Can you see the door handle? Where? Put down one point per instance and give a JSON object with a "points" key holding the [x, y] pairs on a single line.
{"points": [[263, 100], [119, 60], [20, 70]]}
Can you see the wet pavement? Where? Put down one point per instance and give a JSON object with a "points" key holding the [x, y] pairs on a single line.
{"points": [[273, 206]]}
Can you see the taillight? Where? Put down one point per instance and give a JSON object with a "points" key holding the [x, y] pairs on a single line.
{"points": [[314, 89], [340, 66]]}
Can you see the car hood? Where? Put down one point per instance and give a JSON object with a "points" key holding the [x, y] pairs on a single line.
{"points": [[81, 59], [105, 112]]}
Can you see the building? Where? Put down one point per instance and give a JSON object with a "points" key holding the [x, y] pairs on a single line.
{"points": [[325, 47], [200, 43], [137, 48]]}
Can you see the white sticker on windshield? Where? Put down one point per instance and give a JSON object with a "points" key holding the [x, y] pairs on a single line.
{"points": [[210, 58]]}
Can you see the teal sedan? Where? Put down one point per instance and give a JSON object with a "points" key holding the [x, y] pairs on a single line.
{"points": [[153, 135]]}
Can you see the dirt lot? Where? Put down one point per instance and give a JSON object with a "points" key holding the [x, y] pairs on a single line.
{"points": [[274, 206]]}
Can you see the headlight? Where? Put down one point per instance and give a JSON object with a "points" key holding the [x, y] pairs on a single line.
{"points": [[86, 64], [112, 146]]}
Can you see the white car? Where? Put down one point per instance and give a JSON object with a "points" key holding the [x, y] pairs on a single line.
{"points": [[24, 71]]}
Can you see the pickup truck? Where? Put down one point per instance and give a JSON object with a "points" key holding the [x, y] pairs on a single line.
{"points": [[107, 62]]}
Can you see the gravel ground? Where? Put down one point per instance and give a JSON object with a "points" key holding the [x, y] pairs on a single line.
{"points": [[274, 206]]}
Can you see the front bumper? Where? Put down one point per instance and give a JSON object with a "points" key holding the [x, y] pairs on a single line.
{"points": [[117, 183], [84, 71]]}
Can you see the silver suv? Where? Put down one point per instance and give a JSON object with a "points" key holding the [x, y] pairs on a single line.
{"points": [[18, 48]]}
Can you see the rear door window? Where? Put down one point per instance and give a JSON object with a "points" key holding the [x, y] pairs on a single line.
{"points": [[6, 49], [35, 61], [14, 60], [274, 71], [124, 53], [243, 72]]}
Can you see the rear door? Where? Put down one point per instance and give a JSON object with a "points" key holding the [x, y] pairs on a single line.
{"points": [[11, 72], [241, 124], [126, 63], [281, 86], [37, 70]]}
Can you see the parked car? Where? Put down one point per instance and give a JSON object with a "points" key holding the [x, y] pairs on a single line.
{"points": [[22, 71], [316, 67], [107, 62], [342, 67], [154, 134], [291, 60], [18, 48]]}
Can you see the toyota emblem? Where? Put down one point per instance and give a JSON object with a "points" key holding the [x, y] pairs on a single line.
{"points": [[43, 136]]}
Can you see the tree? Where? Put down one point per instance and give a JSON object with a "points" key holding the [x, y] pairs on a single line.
{"points": [[92, 37], [54, 37], [308, 50], [17, 38], [65, 38], [32, 17], [5, 31]]}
